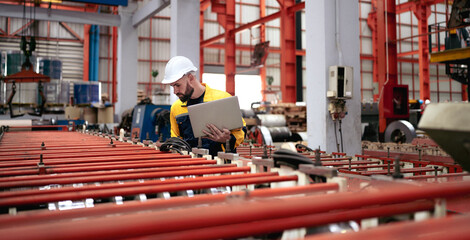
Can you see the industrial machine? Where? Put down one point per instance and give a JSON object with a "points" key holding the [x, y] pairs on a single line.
{"points": [[151, 122]]}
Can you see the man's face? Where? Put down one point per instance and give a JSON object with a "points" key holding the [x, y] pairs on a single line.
{"points": [[182, 88]]}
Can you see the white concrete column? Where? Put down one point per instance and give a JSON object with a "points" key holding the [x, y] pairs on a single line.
{"points": [[127, 62], [321, 53], [184, 39]]}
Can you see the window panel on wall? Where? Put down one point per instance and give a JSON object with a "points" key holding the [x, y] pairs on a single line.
{"points": [[365, 9], [406, 68], [456, 86], [365, 28], [209, 15], [366, 46], [367, 85], [248, 14], [273, 36], [434, 97], [404, 47], [211, 55], [456, 97], [143, 49], [161, 28], [161, 50], [444, 97], [143, 29], [212, 29], [405, 30], [444, 85], [407, 80], [244, 58], [272, 3]]}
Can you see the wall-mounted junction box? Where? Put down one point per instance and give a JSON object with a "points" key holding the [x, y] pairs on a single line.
{"points": [[341, 82]]}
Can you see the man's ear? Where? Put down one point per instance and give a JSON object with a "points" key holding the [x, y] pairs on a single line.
{"points": [[191, 79]]}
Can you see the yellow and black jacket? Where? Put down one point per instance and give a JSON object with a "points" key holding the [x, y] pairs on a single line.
{"points": [[181, 125]]}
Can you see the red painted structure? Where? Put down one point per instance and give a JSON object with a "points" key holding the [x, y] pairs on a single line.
{"points": [[226, 18]]}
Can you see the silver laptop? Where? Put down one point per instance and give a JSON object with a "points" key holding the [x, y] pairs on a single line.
{"points": [[223, 113]]}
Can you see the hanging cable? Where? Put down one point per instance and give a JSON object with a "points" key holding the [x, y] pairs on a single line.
{"points": [[336, 136], [341, 135]]}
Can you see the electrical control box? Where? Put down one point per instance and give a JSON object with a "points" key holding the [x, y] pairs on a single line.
{"points": [[341, 82]]}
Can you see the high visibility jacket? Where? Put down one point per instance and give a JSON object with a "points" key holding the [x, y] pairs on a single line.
{"points": [[181, 125]]}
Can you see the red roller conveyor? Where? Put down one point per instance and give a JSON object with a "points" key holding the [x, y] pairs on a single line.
{"points": [[277, 225], [172, 220], [114, 177], [81, 155], [111, 172], [158, 204], [108, 166], [90, 160], [46, 152], [101, 186], [129, 191]]}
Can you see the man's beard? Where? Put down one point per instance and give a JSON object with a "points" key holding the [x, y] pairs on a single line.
{"points": [[187, 94]]}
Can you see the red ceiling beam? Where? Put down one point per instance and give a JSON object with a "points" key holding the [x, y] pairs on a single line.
{"points": [[22, 28], [71, 31], [255, 23], [297, 7]]}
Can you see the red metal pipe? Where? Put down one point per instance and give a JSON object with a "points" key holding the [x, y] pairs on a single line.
{"points": [[53, 148], [91, 162], [277, 225], [72, 151], [129, 191], [129, 157], [92, 170], [82, 155], [129, 184], [111, 172], [159, 203], [455, 227], [116, 177], [172, 220], [449, 175]]}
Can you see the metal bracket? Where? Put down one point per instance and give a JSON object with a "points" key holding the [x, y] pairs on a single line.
{"points": [[318, 170], [200, 151]]}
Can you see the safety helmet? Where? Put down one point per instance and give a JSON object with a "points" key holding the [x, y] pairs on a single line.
{"points": [[176, 68]]}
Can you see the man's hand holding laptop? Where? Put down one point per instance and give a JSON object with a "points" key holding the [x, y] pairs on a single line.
{"points": [[216, 134]]}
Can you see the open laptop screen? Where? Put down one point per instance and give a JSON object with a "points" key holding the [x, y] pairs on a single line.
{"points": [[223, 113]]}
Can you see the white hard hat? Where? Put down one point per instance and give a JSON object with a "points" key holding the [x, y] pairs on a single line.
{"points": [[176, 68]]}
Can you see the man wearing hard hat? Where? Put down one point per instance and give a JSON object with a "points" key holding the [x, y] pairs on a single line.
{"points": [[180, 73]]}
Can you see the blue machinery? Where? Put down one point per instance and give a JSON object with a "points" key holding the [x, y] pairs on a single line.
{"points": [[151, 122]]}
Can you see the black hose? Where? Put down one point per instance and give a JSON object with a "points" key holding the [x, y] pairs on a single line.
{"points": [[299, 145], [289, 158], [176, 144]]}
